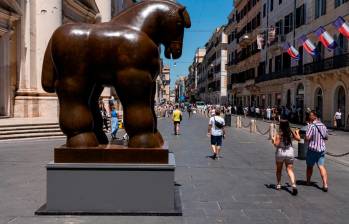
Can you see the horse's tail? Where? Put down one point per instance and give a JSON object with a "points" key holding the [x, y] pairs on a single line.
{"points": [[49, 74]]}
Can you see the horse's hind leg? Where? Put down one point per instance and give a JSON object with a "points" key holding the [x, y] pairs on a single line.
{"points": [[97, 116], [134, 88], [75, 117]]}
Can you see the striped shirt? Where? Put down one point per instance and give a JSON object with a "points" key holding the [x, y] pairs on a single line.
{"points": [[316, 142]]}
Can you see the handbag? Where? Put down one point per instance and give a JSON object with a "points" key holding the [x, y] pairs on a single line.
{"points": [[218, 124], [324, 138]]}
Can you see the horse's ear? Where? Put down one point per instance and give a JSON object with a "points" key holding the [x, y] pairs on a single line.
{"points": [[185, 14]]}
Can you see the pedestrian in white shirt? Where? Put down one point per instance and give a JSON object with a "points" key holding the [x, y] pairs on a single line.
{"points": [[216, 132], [338, 118]]}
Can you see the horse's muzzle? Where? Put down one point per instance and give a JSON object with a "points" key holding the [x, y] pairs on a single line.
{"points": [[174, 50]]}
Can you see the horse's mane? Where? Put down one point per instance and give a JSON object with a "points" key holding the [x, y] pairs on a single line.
{"points": [[143, 2]]}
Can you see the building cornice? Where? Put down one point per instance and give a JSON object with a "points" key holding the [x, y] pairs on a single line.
{"points": [[7, 17], [80, 11]]}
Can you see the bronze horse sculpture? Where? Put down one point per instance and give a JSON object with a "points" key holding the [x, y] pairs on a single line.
{"points": [[81, 59]]}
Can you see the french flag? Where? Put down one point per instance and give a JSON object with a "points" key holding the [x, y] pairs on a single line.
{"points": [[291, 51], [325, 38], [342, 26], [308, 45]]}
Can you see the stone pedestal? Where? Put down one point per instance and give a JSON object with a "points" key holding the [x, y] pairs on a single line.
{"points": [[111, 189]]}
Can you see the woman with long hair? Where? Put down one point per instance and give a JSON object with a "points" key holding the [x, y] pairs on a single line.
{"points": [[285, 153]]}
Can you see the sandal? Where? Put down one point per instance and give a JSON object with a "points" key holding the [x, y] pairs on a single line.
{"points": [[294, 190], [278, 187]]}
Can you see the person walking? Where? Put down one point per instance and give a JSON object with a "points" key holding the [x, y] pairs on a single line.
{"points": [[316, 135], [216, 131], [104, 114], [268, 113], [189, 110], [284, 153], [338, 118], [114, 122], [176, 118]]}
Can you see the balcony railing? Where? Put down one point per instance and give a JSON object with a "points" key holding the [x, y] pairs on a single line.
{"points": [[335, 62]]}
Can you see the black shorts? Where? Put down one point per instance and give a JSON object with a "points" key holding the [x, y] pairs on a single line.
{"points": [[216, 140], [176, 122]]}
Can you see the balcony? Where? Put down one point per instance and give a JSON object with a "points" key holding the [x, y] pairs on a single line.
{"points": [[327, 64], [277, 43], [248, 38]]}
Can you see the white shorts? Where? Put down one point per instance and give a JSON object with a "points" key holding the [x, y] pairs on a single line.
{"points": [[285, 155]]}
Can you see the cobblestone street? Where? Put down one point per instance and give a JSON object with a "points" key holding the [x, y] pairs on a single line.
{"points": [[234, 189]]}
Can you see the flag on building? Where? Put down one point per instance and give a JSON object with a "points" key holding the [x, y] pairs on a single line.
{"points": [[342, 26], [292, 51], [271, 35], [308, 45], [260, 41], [325, 38]]}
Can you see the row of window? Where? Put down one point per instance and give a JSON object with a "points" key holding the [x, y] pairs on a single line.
{"points": [[284, 61], [250, 26], [320, 6], [246, 9]]}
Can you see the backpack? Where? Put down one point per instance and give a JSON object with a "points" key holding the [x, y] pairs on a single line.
{"points": [[218, 124]]}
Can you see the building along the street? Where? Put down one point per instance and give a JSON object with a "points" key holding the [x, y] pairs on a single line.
{"points": [[321, 82], [215, 61], [194, 73], [231, 30], [162, 94], [246, 55], [180, 91]]}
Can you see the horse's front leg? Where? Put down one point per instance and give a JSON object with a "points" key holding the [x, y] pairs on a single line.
{"points": [[134, 88]]}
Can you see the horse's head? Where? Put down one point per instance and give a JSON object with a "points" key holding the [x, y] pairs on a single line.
{"points": [[172, 31]]}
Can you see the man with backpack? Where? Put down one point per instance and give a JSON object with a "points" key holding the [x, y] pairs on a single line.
{"points": [[217, 132]]}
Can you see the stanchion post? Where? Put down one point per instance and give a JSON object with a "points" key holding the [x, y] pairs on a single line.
{"points": [[271, 132], [253, 126]]}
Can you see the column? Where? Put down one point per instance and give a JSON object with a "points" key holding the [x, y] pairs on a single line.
{"points": [[104, 7], [40, 19]]}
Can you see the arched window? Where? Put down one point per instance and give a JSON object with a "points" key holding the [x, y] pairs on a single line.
{"points": [[319, 102], [300, 103], [288, 100], [339, 102]]}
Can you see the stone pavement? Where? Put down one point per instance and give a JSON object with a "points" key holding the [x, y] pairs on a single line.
{"points": [[235, 189]]}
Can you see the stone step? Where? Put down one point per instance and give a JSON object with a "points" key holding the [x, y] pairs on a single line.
{"points": [[29, 131], [28, 127], [31, 135]]}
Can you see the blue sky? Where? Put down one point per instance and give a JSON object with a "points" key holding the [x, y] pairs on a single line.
{"points": [[205, 16]]}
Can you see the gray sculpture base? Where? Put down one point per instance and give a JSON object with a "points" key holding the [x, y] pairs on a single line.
{"points": [[111, 189]]}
